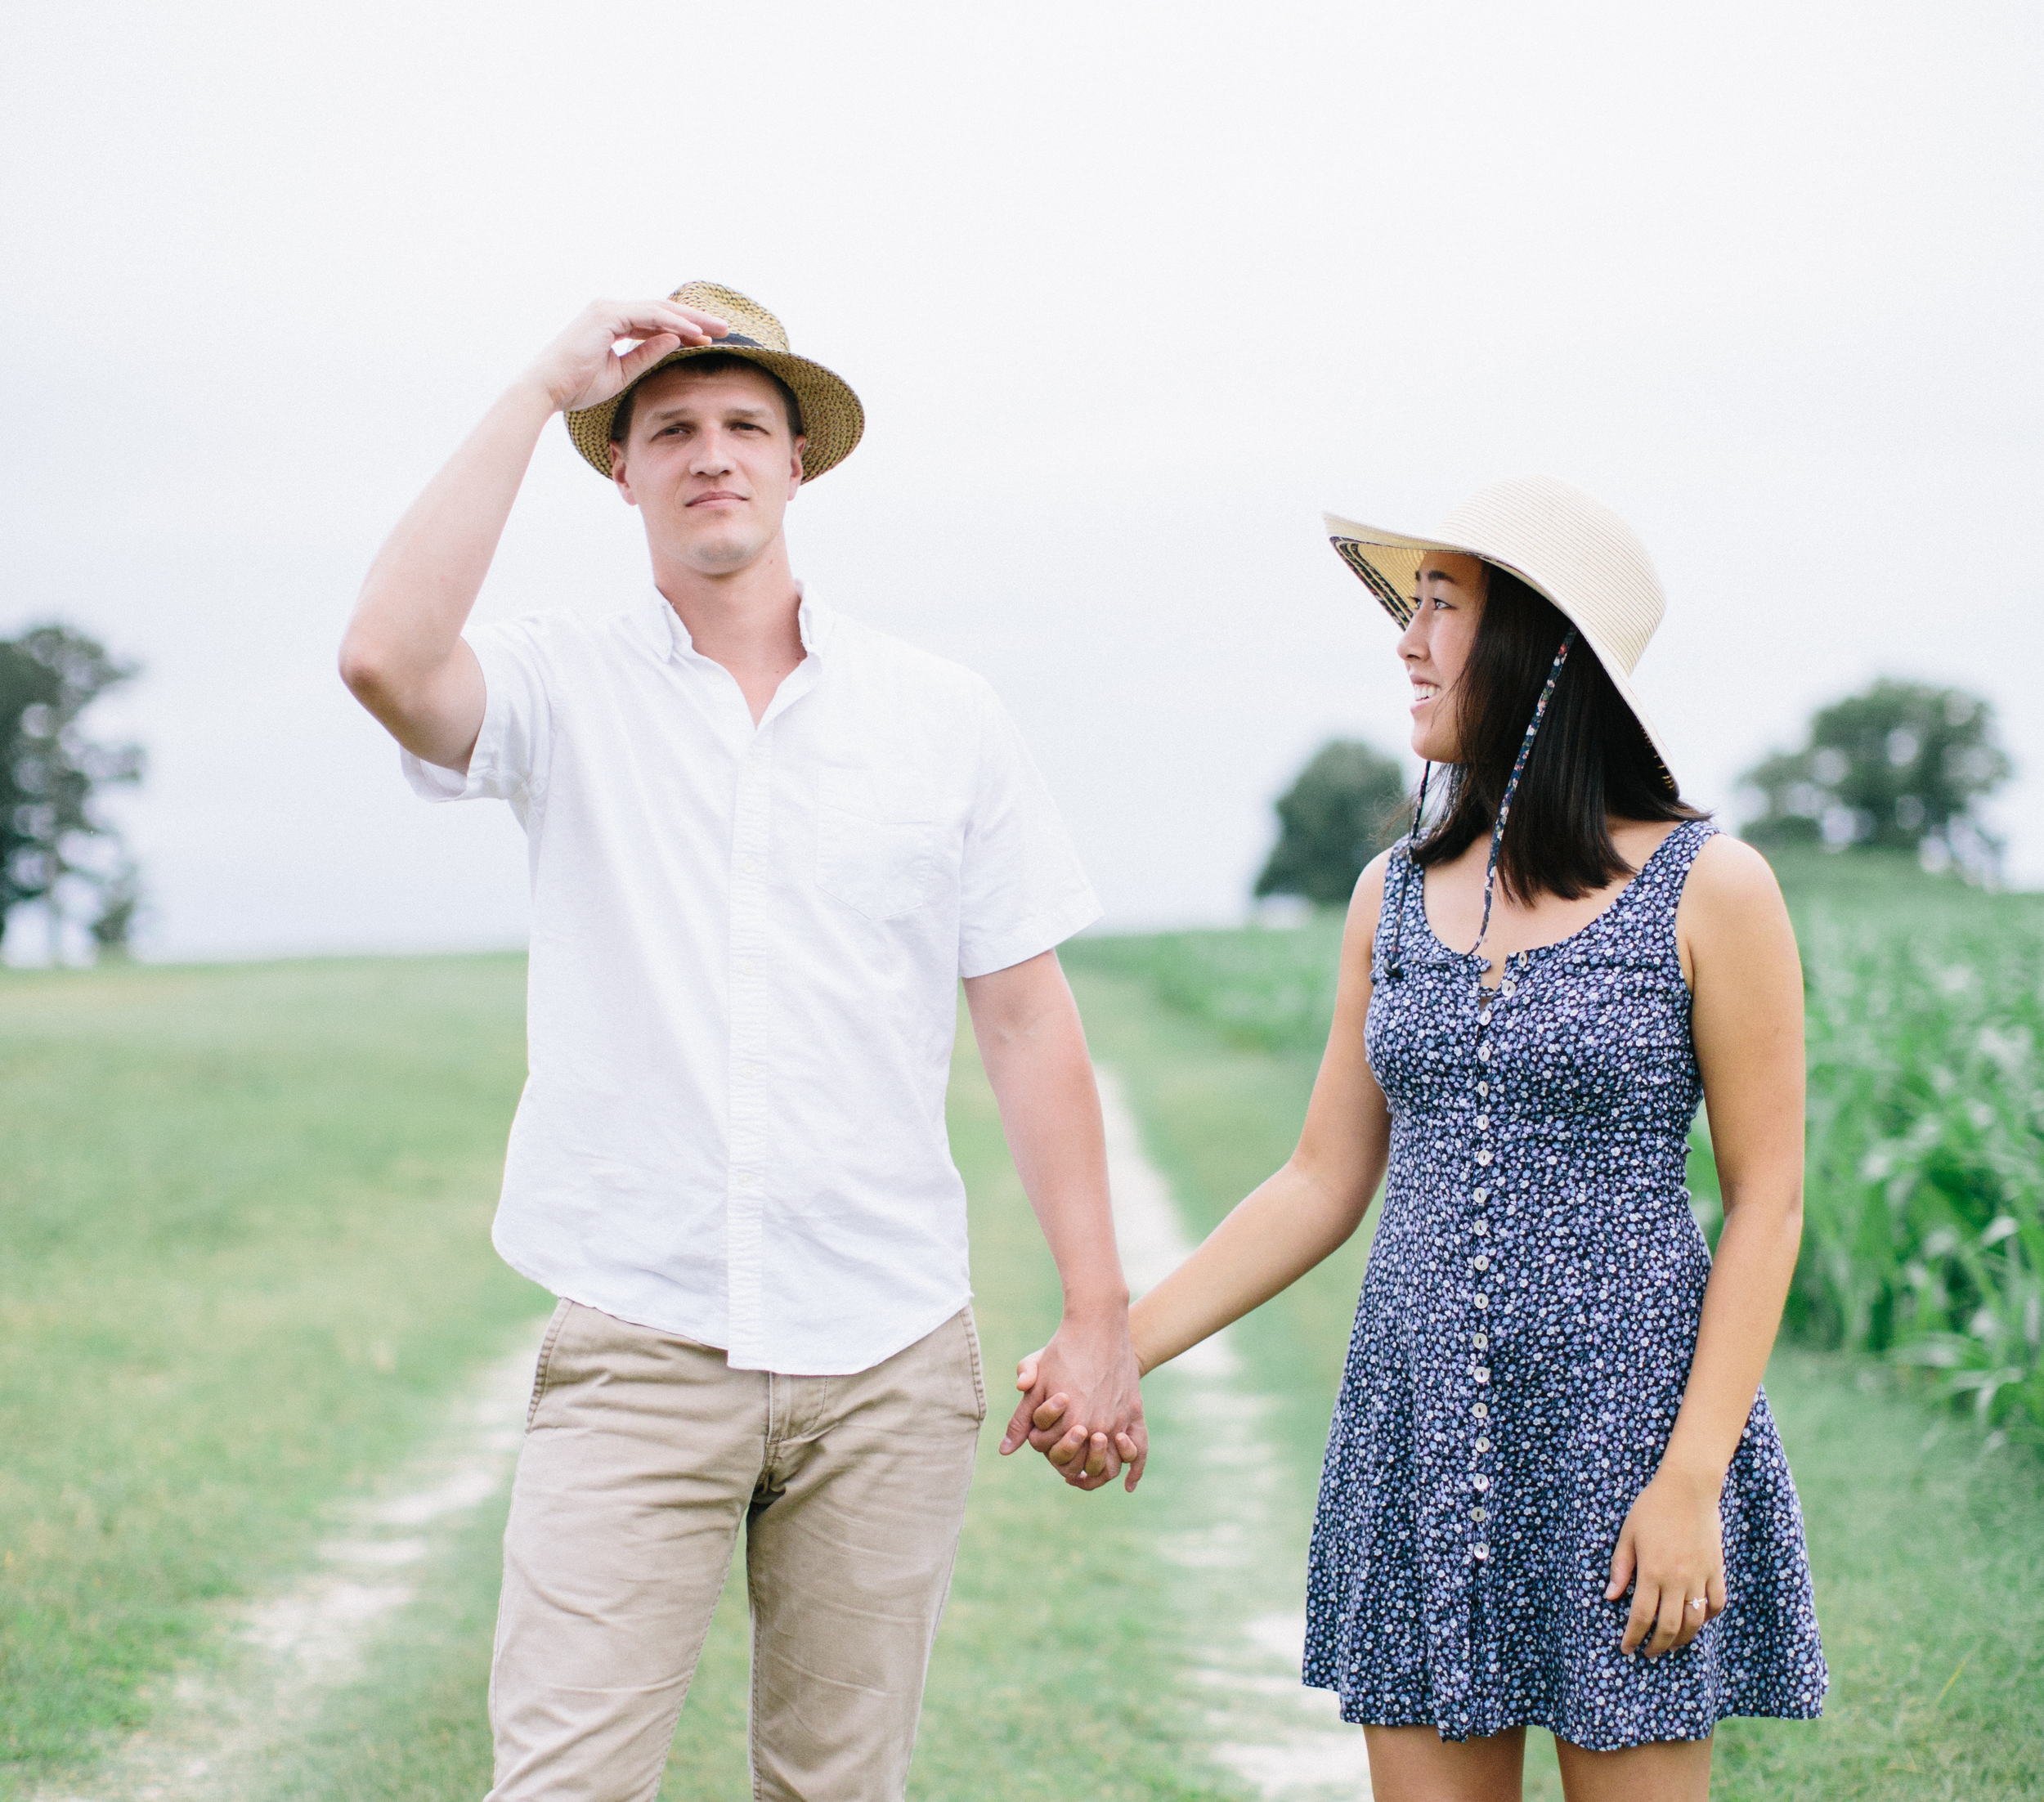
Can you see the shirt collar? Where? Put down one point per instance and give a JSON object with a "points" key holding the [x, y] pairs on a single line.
{"points": [[659, 628]]}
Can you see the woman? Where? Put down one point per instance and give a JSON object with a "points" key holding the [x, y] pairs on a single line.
{"points": [[1553, 1495]]}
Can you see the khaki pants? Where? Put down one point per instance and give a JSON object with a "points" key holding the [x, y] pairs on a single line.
{"points": [[644, 1454]]}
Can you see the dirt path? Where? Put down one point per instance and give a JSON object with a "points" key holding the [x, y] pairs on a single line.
{"points": [[212, 1734], [1288, 1742]]}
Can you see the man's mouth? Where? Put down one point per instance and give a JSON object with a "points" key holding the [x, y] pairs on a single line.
{"points": [[715, 494]]}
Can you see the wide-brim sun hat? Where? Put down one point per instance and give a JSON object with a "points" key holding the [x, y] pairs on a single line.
{"points": [[832, 419], [1566, 546]]}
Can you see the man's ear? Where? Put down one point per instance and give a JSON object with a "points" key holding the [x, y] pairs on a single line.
{"points": [[795, 467], [618, 475]]}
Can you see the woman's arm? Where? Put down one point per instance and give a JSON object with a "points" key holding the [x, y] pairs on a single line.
{"points": [[1739, 953], [1309, 1209]]}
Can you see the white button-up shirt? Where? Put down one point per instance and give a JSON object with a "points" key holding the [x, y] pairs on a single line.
{"points": [[746, 945]]}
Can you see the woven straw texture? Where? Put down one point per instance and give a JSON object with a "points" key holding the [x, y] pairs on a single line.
{"points": [[832, 419], [1573, 548]]}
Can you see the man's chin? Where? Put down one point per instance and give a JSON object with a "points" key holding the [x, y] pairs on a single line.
{"points": [[719, 552]]}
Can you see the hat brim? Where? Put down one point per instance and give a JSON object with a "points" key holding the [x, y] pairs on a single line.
{"points": [[832, 419], [1387, 564]]}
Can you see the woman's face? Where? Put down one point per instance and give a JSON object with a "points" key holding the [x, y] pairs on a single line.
{"points": [[1447, 602]]}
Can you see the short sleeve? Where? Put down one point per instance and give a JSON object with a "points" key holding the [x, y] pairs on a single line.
{"points": [[509, 762], [1021, 890]]}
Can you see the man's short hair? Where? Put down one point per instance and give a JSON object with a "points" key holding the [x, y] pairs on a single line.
{"points": [[710, 363]]}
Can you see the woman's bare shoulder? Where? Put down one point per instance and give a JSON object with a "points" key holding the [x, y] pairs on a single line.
{"points": [[1731, 908], [1729, 872]]}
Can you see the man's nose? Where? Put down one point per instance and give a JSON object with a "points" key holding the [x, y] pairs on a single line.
{"points": [[713, 454]]}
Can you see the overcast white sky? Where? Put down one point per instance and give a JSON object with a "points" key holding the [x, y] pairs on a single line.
{"points": [[1130, 293]]}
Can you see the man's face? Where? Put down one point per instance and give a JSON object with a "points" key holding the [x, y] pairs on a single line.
{"points": [[710, 465]]}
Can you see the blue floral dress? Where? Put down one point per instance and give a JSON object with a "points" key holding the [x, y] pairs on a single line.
{"points": [[1520, 1350]]}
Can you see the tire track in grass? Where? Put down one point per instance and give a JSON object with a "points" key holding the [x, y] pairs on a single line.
{"points": [[213, 1734], [1287, 1742]]}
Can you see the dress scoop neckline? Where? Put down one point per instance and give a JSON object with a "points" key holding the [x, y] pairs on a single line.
{"points": [[1588, 926]]}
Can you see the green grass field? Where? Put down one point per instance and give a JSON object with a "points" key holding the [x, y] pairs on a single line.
{"points": [[244, 1218]]}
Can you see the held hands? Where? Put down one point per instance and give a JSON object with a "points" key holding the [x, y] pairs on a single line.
{"points": [[1671, 1550], [581, 367], [1087, 1376]]}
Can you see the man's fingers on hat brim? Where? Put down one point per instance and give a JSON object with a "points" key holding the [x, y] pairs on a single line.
{"points": [[643, 318]]}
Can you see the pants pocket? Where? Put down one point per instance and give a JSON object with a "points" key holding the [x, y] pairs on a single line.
{"points": [[540, 1370], [978, 1373]]}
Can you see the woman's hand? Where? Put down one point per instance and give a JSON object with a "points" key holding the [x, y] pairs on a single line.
{"points": [[1671, 1550]]}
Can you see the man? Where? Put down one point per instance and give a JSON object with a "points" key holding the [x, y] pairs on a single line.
{"points": [[765, 842]]}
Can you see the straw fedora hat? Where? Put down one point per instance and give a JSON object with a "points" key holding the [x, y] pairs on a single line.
{"points": [[832, 419], [1574, 550]]}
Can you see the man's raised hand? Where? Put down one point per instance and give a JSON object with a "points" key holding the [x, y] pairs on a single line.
{"points": [[581, 367]]}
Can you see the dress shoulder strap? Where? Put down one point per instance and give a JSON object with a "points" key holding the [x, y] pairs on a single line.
{"points": [[1396, 945], [1662, 880]]}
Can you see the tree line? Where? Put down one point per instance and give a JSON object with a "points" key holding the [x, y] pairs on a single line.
{"points": [[1900, 768], [57, 850]]}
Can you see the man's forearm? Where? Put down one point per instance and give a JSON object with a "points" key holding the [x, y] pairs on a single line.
{"points": [[402, 653], [1034, 1051]]}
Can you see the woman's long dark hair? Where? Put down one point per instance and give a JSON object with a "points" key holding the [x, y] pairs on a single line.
{"points": [[1591, 759]]}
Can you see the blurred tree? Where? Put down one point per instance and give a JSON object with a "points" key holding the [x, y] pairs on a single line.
{"points": [[1346, 805], [1900, 767], [50, 775]]}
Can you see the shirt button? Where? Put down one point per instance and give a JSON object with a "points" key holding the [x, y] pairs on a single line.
{"points": [[1482, 1301], [1483, 1016], [1483, 1445], [1511, 988], [1481, 1196], [1479, 1552], [1479, 1372], [1480, 1262], [744, 1179], [1483, 1053], [749, 864], [1483, 1122], [1482, 1482], [1484, 1155], [1481, 1409], [1481, 1342], [1479, 1514], [1483, 1226], [1483, 1088]]}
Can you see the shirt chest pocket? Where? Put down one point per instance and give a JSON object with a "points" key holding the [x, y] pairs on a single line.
{"points": [[877, 840]]}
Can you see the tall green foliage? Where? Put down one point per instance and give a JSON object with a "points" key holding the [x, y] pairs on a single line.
{"points": [[50, 774], [1899, 768], [1345, 807], [1925, 1225]]}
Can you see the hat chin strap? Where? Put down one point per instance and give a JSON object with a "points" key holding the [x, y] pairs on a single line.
{"points": [[1394, 966], [1512, 788]]}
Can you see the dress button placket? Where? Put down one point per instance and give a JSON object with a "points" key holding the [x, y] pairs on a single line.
{"points": [[1479, 1338]]}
